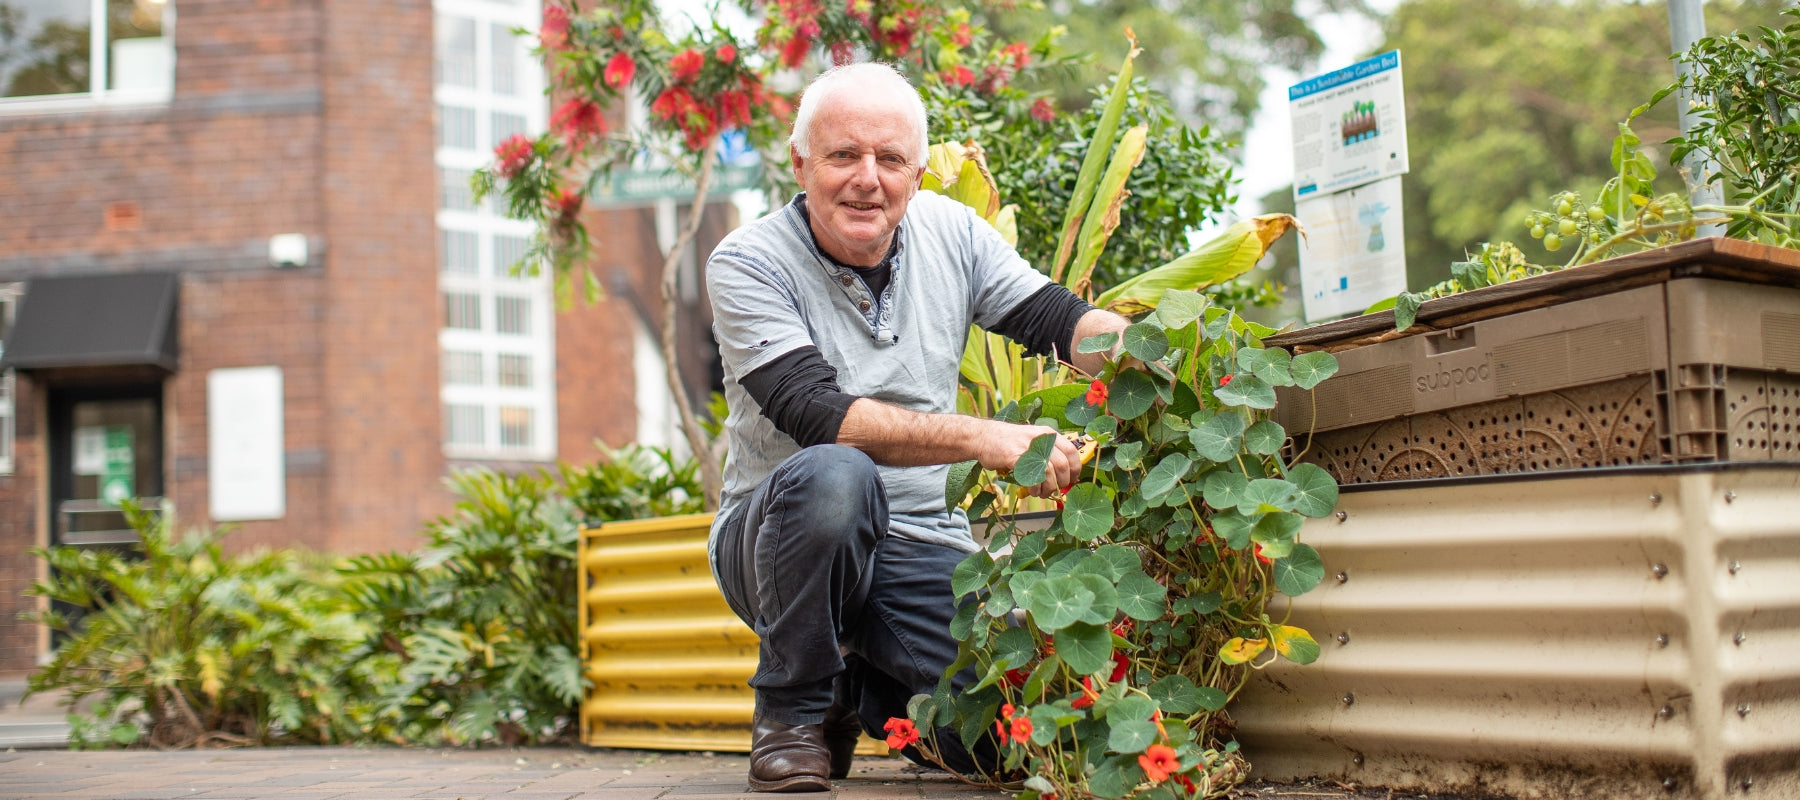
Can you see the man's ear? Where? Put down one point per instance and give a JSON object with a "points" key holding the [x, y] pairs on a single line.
{"points": [[795, 161]]}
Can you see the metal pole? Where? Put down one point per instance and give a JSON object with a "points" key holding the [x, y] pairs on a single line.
{"points": [[1687, 23]]}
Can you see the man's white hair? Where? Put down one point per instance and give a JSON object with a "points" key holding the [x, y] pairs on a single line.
{"points": [[863, 77]]}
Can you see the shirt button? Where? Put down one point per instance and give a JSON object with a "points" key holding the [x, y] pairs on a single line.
{"points": [[846, 280], [864, 305]]}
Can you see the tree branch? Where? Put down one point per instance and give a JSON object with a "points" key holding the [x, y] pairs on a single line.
{"points": [[711, 476]]}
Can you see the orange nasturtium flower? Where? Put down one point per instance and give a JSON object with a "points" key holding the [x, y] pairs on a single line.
{"points": [[1159, 762], [901, 732]]}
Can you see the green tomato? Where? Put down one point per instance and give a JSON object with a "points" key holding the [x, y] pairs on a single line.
{"points": [[1537, 231], [1566, 227], [1565, 207], [1552, 242], [1596, 213]]}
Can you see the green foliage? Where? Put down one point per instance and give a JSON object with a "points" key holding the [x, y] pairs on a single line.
{"points": [[481, 618], [183, 646], [634, 482], [1128, 624]]}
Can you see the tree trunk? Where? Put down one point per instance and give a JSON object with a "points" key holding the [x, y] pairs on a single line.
{"points": [[712, 480]]}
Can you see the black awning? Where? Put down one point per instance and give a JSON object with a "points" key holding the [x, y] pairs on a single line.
{"points": [[95, 321]]}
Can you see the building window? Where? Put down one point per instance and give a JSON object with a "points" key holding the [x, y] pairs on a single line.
{"points": [[498, 382], [9, 304], [95, 49]]}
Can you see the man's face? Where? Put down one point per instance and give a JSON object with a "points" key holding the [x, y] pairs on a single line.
{"points": [[860, 175]]}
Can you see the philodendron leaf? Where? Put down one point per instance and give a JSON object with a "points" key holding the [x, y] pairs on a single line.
{"points": [[1218, 438], [1240, 650], [1311, 369], [1029, 470], [1264, 438], [1247, 390], [1146, 341], [1315, 491], [1294, 644], [1056, 603], [1299, 572], [1131, 394], [1086, 648], [1141, 597], [1088, 511]]}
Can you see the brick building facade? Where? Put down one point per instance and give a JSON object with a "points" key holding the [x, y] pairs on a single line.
{"points": [[313, 117]]}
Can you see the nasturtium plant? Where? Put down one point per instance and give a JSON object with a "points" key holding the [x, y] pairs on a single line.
{"points": [[1106, 645]]}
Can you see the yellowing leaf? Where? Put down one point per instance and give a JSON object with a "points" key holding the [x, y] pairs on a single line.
{"points": [[1295, 644], [1230, 254], [1007, 223], [1240, 650]]}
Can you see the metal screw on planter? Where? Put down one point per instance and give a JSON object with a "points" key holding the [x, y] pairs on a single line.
{"points": [[1344, 638], [1730, 495], [1656, 498], [1733, 567], [1343, 577], [1357, 759], [1745, 783], [1660, 570], [1743, 710], [1349, 699], [1666, 712], [1738, 638], [1342, 516], [1662, 640], [1669, 784]]}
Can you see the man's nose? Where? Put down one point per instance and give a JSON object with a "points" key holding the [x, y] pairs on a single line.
{"points": [[867, 172]]}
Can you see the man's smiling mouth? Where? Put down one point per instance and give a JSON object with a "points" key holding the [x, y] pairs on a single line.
{"points": [[864, 206]]}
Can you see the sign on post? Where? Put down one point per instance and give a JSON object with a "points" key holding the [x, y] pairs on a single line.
{"points": [[1349, 153]]}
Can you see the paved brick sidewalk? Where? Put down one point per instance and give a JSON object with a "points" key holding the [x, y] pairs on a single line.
{"points": [[522, 774]]}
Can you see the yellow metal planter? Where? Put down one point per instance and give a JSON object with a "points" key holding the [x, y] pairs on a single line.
{"points": [[668, 659]]}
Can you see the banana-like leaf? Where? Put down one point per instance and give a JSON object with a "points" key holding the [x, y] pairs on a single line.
{"points": [[1088, 179], [1103, 216], [1227, 256], [943, 164]]}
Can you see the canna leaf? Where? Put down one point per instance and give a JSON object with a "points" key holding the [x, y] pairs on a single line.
{"points": [[1228, 255], [1103, 217], [1088, 179]]}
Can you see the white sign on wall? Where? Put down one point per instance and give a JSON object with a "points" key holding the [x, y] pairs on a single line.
{"points": [[1349, 126], [1355, 249], [246, 472]]}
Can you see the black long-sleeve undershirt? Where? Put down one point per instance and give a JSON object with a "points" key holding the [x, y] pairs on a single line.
{"points": [[799, 392]]}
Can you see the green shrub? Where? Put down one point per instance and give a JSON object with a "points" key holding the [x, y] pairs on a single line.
{"points": [[185, 647]]}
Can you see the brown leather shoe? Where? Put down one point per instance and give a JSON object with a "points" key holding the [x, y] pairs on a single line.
{"points": [[788, 758], [842, 732]]}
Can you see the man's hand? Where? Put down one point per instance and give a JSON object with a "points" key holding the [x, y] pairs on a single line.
{"points": [[1004, 442]]}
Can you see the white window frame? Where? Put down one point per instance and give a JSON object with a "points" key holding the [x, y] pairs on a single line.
{"points": [[9, 386], [486, 222], [98, 94]]}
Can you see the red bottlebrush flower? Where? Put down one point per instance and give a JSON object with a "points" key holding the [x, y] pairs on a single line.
{"points": [[859, 10], [734, 108], [793, 53], [578, 121], [554, 33], [957, 76], [962, 35], [1225, 381], [1088, 695], [901, 732], [566, 204], [725, 53], [1042, 110], [1019, 52], [617, 33], [1021, 729], [1159, 762], [1121, 665], [685, 66], [619, 70], [512, 155], [674, 103], [842, 53], [1260, 556], [993, 78], [1096, 393]]}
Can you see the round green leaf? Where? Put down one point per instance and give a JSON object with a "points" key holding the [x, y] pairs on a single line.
{"points": [[1088, 511], [1311, 369], [1294, 644], [1232, 527], [1248, 391], [1128, 454], [1098, 343], [1316, 492], [1218, 438], [1103, 425], [971, 573], [1131, 394], [1123, 559], [1272, 366], [1078, 412], [1029, 470], [1277, 527], [1178, 308], [1166, 475], [1299, 572], [1141, 597], [1213, 699], [1116, 777], [1146, 341], [962, 477], [1131, 736], [1056, 603], [1266, 494], [1225, 488], [1264, 438], [1086, 648], [1176, 694], [1106, 599]]}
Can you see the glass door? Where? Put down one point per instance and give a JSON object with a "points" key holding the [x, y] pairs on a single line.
{"points": [[106, 448]]}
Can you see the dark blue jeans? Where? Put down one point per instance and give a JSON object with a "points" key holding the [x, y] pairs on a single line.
{"points": [[847, 613]]}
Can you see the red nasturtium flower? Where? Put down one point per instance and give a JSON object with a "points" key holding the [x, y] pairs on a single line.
{"points": [[1121, 665], [1088, 695], [1096, 393], [1021, 729], [1042, 110], [578, 121], [1017, 677], [901, 732], [554, 34], [619, 70], [1260, 556], [685, 66], [1225, 381], [1159, 762], [512, 155]]}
